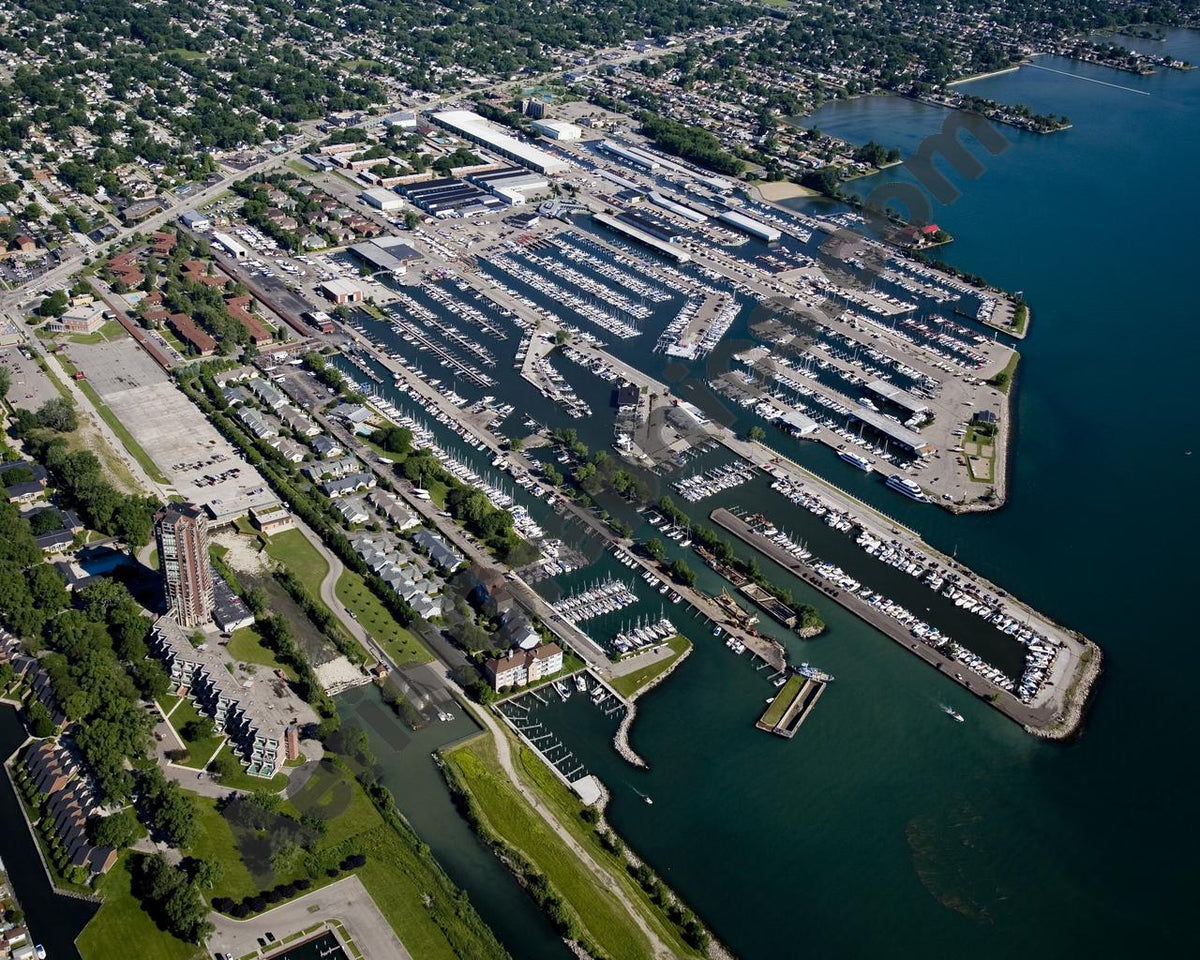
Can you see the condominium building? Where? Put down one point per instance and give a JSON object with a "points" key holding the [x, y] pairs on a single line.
{"points": [[246, 714], [182, 535]]}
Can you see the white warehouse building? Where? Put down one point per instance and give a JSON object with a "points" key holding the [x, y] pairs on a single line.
{"points": [[558, 129], [471, 126], [382, 199]]}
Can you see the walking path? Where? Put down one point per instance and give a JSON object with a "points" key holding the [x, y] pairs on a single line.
{"points": [[602, 876]]}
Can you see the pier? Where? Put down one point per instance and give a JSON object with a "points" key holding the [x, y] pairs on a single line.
{"points": [[791, 706], [1035, 717]]}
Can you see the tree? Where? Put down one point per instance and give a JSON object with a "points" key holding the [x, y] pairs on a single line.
{"points": [[54, 305], [58, 413], [655, 549], [5, 381], [39, 721], [411, 219], [757, 434], [117, 830]]}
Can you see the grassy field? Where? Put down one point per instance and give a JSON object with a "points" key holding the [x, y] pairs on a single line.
{"points": [[199, 751], [506, 814], [631, 684], [567, 807], [108, 331], [783, 699], [1009, 372], [246, 645], [400, 642], [121, 929], [217, 843], [410, 890], [292, 549]]}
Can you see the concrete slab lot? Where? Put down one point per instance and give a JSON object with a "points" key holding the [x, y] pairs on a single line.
{"points": [[202, 466]]}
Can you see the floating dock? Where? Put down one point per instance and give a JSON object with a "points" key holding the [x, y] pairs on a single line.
{"points": [[791, 706]]}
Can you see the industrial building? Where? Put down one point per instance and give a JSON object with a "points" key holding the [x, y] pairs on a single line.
{"points": [[381, 199], [230, 246], [510, 184], [380, 258], [471, 126], [695, 216], [641, 236], [558, 129], [756, 228], [652, 224], [181, 533], [450, 197], [341, 291], [630, 155], [194, 220]]}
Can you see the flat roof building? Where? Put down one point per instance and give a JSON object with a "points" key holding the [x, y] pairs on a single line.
{"points": [[230, 246], [558, 129], [471, 126], [755, 228], [341, 291], [381, 199]]}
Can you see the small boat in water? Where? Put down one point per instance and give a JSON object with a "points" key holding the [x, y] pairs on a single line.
{"points": [[951, 712]]}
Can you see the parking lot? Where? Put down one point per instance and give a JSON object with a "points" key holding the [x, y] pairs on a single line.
{"points": [[202, 466], [30, 387]]}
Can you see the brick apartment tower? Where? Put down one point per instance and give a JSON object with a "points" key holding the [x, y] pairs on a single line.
{"points": [[182, 535]]}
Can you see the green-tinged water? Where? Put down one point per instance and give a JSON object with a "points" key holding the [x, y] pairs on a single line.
{"points": [[883, 828]]}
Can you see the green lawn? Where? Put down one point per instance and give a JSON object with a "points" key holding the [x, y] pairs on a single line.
{"points": [[121, 929], [505, 813], [783, 699], [199, 751], [246, 645], [567, 806], [400, 642], [217, 843], [1009, 372], [292, 549], [414, 895], [631, 684], [243, 781], [108, 331]]}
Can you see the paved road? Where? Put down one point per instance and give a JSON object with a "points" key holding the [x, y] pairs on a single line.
{"points": [[347, 901]]}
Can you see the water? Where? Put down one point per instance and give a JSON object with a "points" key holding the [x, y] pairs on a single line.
{"points": [[53, 921], [421, 795], [976, 838]]}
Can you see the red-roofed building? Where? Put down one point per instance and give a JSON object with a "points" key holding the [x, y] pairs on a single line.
{"points": [[186, 329], [238, 308]]}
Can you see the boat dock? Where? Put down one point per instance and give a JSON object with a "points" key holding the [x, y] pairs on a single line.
{"points": [[791, 706], [775, 607], [999, 698]]}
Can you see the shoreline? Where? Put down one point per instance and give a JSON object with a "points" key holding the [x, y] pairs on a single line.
{"points": [[989, 73], [772, 191]]}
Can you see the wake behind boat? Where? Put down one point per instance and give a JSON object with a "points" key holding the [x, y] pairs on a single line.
{"points": [[951, 712]]}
